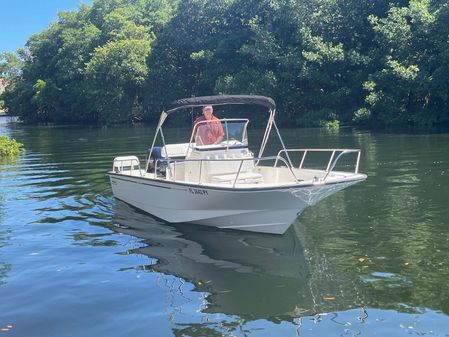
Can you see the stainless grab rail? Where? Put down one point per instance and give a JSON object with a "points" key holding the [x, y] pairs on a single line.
{"points": [[331, 163], [118, 164], [241, 160]]}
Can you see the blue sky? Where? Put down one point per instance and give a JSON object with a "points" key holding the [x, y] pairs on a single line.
{"points": [[19, 19]]}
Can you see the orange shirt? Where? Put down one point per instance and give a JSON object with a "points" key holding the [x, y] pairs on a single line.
{"points": [[208, 132]]}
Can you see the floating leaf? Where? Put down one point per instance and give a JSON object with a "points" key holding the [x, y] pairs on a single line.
{"points": [[329, 298], [361, 259]]}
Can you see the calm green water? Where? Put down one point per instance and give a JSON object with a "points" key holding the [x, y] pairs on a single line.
{"points": [[372, 260]]}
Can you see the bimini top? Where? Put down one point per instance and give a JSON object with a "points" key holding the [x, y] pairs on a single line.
{"points": [[221, 100]]}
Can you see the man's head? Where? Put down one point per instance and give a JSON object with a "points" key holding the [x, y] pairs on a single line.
{"points": [[207, 111]]}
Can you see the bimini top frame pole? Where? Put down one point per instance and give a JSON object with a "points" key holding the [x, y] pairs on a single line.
{"points": [[159, 126]]}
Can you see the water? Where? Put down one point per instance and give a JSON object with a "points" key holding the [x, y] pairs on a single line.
{"points": [[369, 261], [6, 119]]}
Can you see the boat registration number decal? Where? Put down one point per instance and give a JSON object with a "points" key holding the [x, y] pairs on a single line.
{"points": [[197, 191]]}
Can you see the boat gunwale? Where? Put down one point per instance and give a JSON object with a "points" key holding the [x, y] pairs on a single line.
{"points": [[237, 189]]}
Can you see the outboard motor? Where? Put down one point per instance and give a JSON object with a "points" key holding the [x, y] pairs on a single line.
{"points": [[153, 157]]}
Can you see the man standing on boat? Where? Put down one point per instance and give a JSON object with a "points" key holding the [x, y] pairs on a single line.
{"points": [[208, 128]]}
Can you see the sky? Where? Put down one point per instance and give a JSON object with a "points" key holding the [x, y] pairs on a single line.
{"points": [[19, 19]]}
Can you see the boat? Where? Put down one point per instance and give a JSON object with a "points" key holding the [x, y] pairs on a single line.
{"points": [[225, 184]]}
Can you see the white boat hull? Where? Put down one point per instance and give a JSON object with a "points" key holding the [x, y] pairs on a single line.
{"points": [[262, 209]]}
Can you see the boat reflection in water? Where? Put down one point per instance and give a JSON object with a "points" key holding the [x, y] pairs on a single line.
{"points": [[252, 275]]}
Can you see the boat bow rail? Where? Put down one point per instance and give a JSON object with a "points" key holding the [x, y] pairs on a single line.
{"points": [[238, 170], [334, 157]]}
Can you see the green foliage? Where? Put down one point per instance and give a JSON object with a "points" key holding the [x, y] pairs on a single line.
{"points": [[10, 66], [362, 116], [332, 125], [324, 62], [9, 147], [115, 73], [409, 46]]}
